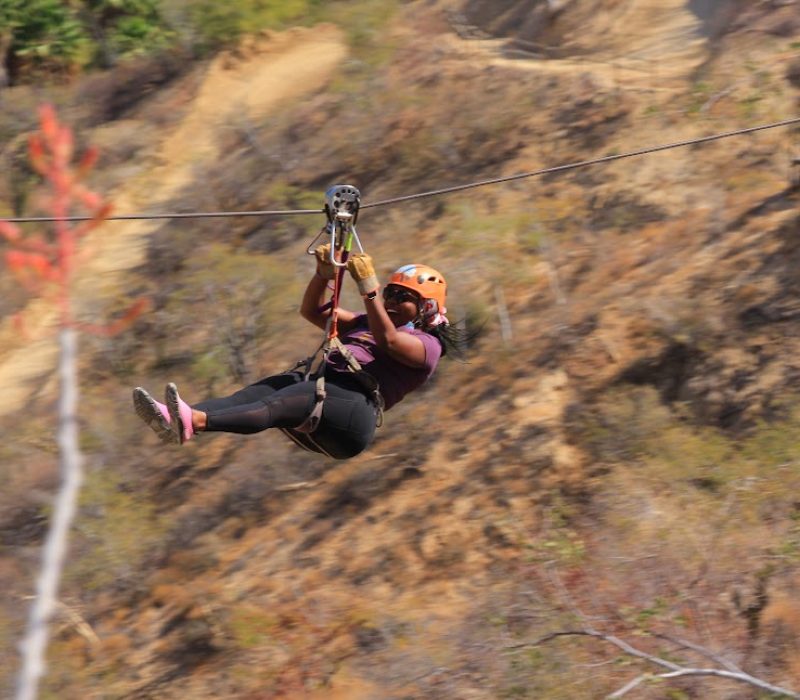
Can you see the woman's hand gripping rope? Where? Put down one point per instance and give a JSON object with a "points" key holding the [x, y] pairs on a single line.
{"points": [[325, 267]]}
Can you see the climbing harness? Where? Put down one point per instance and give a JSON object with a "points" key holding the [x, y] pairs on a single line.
{"points": [[342, 204]]}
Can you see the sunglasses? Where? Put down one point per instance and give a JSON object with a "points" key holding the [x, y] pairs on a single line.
{"points": [[399, 295]]}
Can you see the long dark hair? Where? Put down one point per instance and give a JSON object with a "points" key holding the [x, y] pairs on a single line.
{"points": [[454, 339]]}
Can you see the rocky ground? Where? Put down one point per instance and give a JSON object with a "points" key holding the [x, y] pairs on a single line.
{"points": [[620, 456]]}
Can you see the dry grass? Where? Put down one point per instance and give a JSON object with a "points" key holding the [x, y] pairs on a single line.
{"points": [[540, 483]]}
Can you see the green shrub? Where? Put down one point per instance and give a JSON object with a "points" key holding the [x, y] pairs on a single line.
{"points": [[118, 529], [45, 34], [52, 37], [240, 302], [213, 24], [362, 21], [250, 626], [139, 33]]}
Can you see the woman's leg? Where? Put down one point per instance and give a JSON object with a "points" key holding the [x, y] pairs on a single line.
{"points": [[285, 401], [348, 423], [254, 392], [271, 403]]}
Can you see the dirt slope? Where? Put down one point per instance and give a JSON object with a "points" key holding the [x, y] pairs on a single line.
{"points": [[648, 45], [264, 72], [623, 459]]}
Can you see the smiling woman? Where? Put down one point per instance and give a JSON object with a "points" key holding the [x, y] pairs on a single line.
{"points": [[395, 343]]}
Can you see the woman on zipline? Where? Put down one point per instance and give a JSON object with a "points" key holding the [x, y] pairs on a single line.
{"points": [[397, 342]]}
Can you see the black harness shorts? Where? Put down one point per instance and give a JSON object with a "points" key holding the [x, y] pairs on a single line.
{"points": [[349, 415]]}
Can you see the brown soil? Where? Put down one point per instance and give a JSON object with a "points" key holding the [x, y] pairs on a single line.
{"points": [[626, 459]]}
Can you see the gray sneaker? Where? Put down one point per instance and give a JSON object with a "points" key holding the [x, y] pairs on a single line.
{"points": [[154, 414], [180, 414]]}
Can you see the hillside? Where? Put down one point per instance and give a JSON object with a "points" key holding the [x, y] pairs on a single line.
{"points": [[622, 457]]}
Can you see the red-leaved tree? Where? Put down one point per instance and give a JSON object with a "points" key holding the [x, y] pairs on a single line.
{"points": [[46, 264]]}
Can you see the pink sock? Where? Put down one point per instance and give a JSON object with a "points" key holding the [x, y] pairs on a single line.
{"points": [[164, 411], [186, 418]]}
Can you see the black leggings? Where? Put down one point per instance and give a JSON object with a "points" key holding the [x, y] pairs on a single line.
{"points": [[286, 400]]}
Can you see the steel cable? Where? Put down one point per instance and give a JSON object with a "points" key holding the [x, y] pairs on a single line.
{"points": [[583, 163], [181, 215], [431, 193]]}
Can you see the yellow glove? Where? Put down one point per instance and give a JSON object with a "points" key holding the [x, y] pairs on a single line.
{"points": [[363, 272], [325, 268]]}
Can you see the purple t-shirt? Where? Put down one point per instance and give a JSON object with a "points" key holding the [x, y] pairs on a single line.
{"points": [[394, 378]]}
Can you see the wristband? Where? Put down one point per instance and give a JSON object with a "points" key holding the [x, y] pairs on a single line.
{"points": [[371, 295]]}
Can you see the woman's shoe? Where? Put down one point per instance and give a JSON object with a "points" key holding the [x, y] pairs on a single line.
{"points": [[180, 414], [153, 413]]}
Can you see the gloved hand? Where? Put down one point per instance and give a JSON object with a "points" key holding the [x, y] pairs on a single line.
{"points": [[325, 268], [363, 272]]}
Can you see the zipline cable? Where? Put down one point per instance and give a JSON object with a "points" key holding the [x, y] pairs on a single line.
{"points": [[431, 193], [582, 163], [182, 215]]}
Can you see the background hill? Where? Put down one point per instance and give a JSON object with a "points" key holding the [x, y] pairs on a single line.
{"points": [[622, 455]]}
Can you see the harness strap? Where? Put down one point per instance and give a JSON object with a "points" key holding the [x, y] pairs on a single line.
{"points": [[310, 424], [352, 363], [366, 380], [300, 440]]}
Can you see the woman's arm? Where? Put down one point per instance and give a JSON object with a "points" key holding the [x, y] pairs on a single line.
{"points": [[315, 297], [401, 346]]}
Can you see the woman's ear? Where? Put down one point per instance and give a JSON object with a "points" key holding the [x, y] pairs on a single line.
{"points": [[430, 307]]}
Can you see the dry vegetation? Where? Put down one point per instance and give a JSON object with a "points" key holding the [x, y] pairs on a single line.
{"points": [[629, 461]]}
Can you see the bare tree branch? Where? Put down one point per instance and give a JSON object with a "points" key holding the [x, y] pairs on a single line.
{"points": [[717, 96], [673, 670], [299, 486], [708, 653], [79, 623], [741, 677], [53, 260], [55, 547], [502, 313], [630, 685]]}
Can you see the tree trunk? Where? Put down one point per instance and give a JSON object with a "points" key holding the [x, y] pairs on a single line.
{"points": [[55, 547]]}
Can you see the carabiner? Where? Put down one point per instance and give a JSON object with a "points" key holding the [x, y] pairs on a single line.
{"points": [[342, 203]]}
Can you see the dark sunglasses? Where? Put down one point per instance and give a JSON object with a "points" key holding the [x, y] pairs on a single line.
{"points": [[399, 295]]}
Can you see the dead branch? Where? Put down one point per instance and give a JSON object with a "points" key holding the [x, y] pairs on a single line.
{"points": [[502, 314], [79, 623], [708, 653], [717, 96], [673, 670], [299, 486]]}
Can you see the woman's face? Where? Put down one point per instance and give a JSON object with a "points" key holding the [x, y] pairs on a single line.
{"points": [[401, 304]]}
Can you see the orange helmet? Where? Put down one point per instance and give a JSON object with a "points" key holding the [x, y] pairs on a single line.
{"points": [[426, 282]]}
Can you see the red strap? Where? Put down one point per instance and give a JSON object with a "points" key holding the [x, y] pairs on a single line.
{"points": [[338, 280]]}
